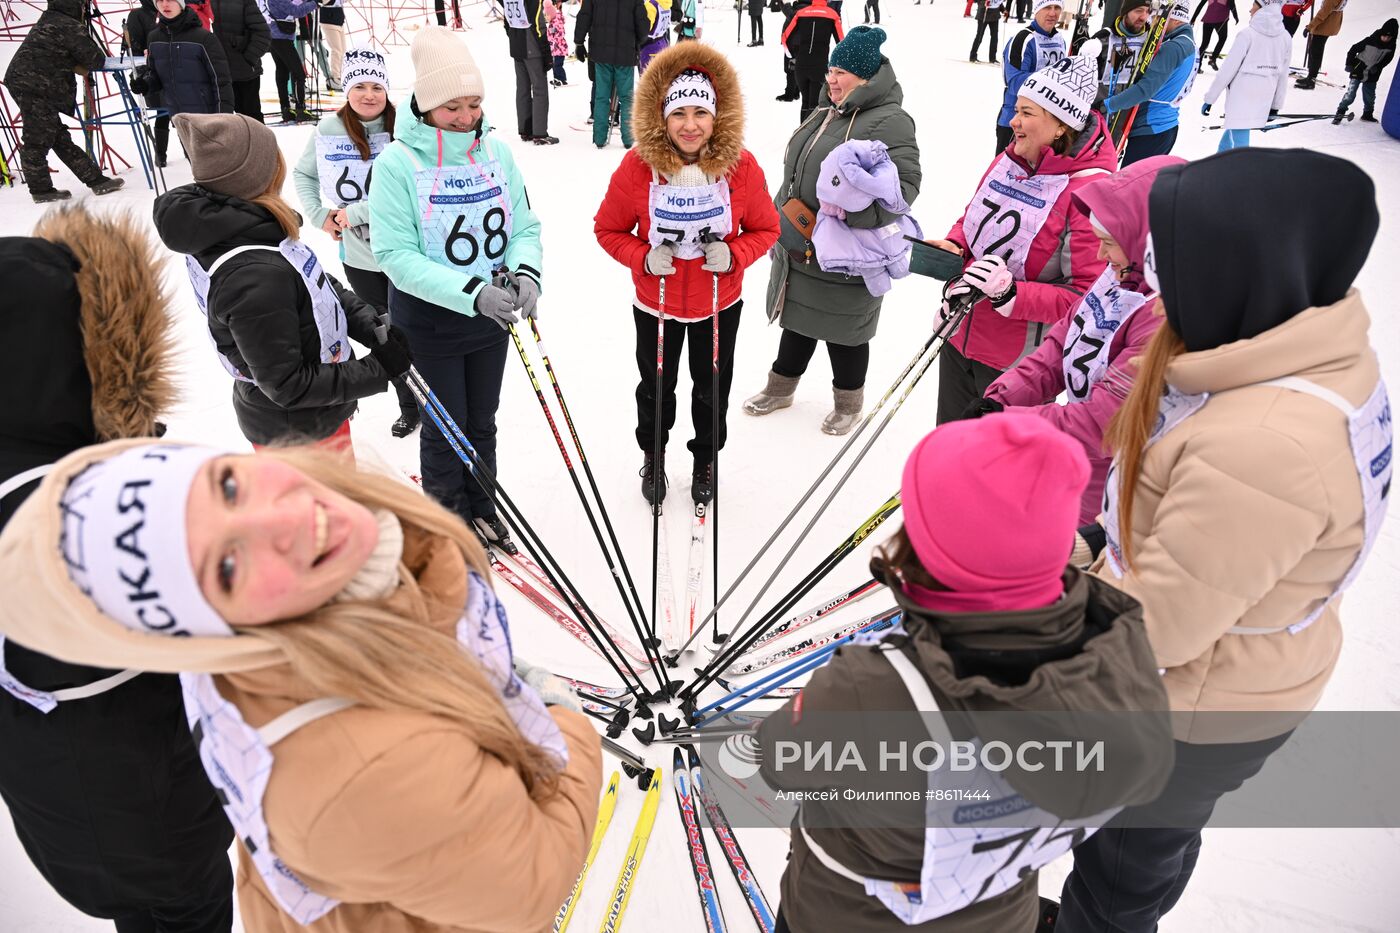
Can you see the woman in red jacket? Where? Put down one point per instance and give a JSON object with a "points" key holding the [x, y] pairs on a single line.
{"points": [[1025, 248], [688, 206]]}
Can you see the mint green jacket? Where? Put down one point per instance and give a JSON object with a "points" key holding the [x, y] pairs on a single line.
{"points": [[395, 224], [353, 250]]}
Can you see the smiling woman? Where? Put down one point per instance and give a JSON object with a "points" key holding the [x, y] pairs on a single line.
{"points": [[350, 624]]}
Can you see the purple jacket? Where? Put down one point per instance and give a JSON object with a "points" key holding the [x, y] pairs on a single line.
{"points": [[854, 175], [1119, 204]]}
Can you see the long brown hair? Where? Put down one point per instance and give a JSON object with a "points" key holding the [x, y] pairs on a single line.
{"points": [[271, 201], [896, 561], [1132, 424], [382, 657], [355, 126]]}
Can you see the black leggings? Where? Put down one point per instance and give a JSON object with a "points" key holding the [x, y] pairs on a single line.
{"points": [[991, 19], [698, 335], [289, 68], [1316, 46], [1221, 30], [848, 364], [755, 23]]}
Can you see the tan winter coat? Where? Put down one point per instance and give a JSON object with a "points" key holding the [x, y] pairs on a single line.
{"points": [[397, 814], [1327, 21], [1248, 513]]}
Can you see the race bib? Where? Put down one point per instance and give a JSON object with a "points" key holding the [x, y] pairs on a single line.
{"points": [[465, 216], [516, 17], [1102, 311], [1008, 211], [344, 175], [689, 216]]}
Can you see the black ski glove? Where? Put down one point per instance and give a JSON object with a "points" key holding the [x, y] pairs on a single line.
{"points": [[981, 406], [580, 52], [393, 354]]}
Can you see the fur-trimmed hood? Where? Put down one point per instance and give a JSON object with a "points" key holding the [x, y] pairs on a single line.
{"points": [[125, 318], [649, 128]]}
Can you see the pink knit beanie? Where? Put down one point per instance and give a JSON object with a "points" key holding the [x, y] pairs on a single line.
{"points": [[991, 506]]}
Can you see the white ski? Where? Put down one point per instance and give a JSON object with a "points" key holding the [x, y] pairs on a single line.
{"points": [[695, 567], [669, 624]]}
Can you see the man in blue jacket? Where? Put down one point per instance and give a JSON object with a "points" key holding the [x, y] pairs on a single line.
{"points": [[1159, 92], [1037, 46]]}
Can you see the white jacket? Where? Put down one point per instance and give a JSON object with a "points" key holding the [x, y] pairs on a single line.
{"points": [[1255, 71]]}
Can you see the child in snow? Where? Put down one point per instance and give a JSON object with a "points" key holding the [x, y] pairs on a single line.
{"points": [[1091, 354], [558, 40], [335, 169], [1365, 62], [1255, 75], [451, 226], [996, 629], [278, 322], [689, 121], [347, 672], [40, 78]]}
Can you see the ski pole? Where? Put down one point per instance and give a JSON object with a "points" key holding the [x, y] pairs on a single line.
{"points": [[805, 666], [940, 336], [715, 636], [806, 496], [443, 421], [657, 450], [653, 655], [587, 470], [737, 646]]}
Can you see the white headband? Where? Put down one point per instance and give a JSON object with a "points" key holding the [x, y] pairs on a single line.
{"points": [[690, 89], [125, 545], [1149, 267]]}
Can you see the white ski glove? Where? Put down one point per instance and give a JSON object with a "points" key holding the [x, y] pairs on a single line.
{"points": [[552, 690], [718, 258], [992, 278], [662, 259]]}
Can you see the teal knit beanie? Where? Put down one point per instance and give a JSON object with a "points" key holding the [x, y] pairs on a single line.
{"points": [[859, 52]]}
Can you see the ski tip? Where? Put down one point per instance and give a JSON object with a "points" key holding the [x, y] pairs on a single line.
{"points": [[692, 756], [645, 734], [678, 759]]}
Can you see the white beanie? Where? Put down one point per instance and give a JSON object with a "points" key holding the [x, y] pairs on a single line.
{"points": [[1179, 10], [364, 65], [1068, 87], [443, 69], [1042, 4], [124, 541], [691, 88]]}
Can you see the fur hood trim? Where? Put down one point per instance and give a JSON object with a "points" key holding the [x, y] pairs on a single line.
{"points": [[727, 143], [125, 316]]}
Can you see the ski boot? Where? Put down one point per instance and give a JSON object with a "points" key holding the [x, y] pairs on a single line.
{"points": [[546, 140], [1337, 120], [406, 425], [653, 491], [775, 395], [846, 412], [53, 194], [1305, 84], [1368, 117], [107, 186], [306, 116], [702, 482], [494, 533]]}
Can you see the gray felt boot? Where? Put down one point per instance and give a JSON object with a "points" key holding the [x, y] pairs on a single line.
{"points": [[776, 394], [847, 411]]}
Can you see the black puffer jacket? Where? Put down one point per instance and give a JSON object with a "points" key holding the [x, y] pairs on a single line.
{"points": [[260, 317], [536, 31], [189, 65], [58, 46], [612, 30], [107, 793], [242, 31]]}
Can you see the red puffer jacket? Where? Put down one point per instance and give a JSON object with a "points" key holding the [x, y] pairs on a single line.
{"points": [[1061, 265], [622, 226]]}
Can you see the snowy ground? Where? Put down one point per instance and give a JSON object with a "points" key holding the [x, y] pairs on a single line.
{"points": [[1278, 880]]}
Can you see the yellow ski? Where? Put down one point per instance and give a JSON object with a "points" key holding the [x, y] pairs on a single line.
{"points": [[622, 891], [605, 812]]}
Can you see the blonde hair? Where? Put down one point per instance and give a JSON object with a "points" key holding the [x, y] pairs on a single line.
{"points": [[385, 658], [1132, 424], [271, 201]]}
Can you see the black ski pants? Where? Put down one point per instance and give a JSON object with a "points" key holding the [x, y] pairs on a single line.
{"points": [[247, 98], [44, 132], [1004, 137], [463, 360], [810, 87], [872, 8], [960, 380], [988, 20], [755, 21], [532, 94], [848, 364], [1129, 874], [1150, 144], [288, 69], [1221, 31], [699, 334], [373, 287], [1023, 10], [1316, 46]]}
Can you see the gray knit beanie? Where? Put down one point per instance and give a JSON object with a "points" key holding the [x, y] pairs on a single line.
{"points": [[230, 154]]}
